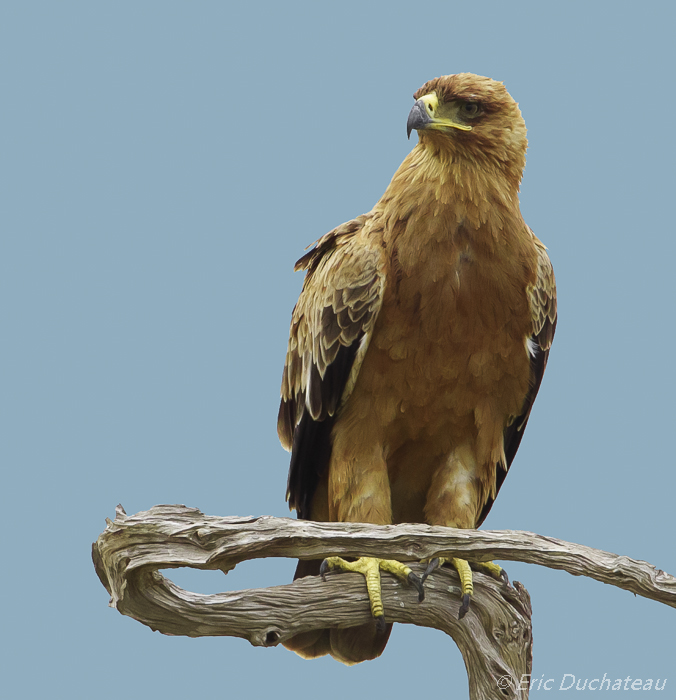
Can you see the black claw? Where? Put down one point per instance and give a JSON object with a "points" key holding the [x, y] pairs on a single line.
{"points": [[464, 607], [431, 566], [323, 568], [380, 624], [415, 580]]}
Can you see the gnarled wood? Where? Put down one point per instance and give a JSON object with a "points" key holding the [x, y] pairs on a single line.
{"points": [[494, 638]]}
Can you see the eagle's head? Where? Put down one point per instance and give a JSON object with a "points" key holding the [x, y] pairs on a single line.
{"points": [[469, 117]]}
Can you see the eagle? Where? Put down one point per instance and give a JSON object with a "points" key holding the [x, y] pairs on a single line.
{"points": [[418, 345]]}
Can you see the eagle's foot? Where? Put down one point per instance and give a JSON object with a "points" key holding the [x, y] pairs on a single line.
{"points": [[370, 567], [465, 574], [493, 570]]}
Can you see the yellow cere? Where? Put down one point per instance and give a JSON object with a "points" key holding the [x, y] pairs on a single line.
{"points": [[431, 102]]}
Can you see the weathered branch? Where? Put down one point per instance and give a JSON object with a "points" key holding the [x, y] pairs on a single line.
{"points": [[494, 638]]}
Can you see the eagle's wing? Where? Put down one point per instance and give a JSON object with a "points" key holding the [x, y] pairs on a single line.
{"points": [[542, 301], [331, 328]]}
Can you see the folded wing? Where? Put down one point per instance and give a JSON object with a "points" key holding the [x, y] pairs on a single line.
{"points": [[331, 328], [542, 300]]}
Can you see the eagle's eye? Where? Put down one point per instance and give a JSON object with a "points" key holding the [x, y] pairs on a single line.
{"points": [[470, 109]]}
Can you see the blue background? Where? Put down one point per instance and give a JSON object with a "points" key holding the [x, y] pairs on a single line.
{"points": [[163, 166]]}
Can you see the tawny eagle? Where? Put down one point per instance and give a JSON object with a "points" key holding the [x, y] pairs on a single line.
{"points": [[419, 342]]}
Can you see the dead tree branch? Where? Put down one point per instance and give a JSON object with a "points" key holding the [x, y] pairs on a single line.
{"points": [[494, 638]]}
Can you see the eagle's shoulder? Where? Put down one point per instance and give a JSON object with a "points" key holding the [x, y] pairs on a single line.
{"points": [[331, 327]]}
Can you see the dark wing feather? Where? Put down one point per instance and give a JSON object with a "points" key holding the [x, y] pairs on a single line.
{"points": [[331, 327], [542, 298]]}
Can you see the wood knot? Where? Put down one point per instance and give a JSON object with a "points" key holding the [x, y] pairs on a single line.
{"points": [[270, 637]]}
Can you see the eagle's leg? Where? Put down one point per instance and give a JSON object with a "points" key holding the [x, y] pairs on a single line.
{"points": [[370, 567], [456, 497]]}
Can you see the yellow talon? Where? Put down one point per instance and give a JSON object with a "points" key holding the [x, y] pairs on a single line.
{"points": [[465, 573], [370, 568], [492, 569]]}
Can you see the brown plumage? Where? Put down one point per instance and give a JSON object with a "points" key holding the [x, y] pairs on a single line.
{"points": [[420, 338]]}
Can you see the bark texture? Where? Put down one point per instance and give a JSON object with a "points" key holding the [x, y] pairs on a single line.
{"points": [[495, 637]]}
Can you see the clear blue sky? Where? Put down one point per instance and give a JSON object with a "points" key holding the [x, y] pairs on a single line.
{"points": [[165, 163]]}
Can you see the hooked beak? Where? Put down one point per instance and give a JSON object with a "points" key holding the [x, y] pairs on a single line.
{"points": [[424, 115], [418, 118]]}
